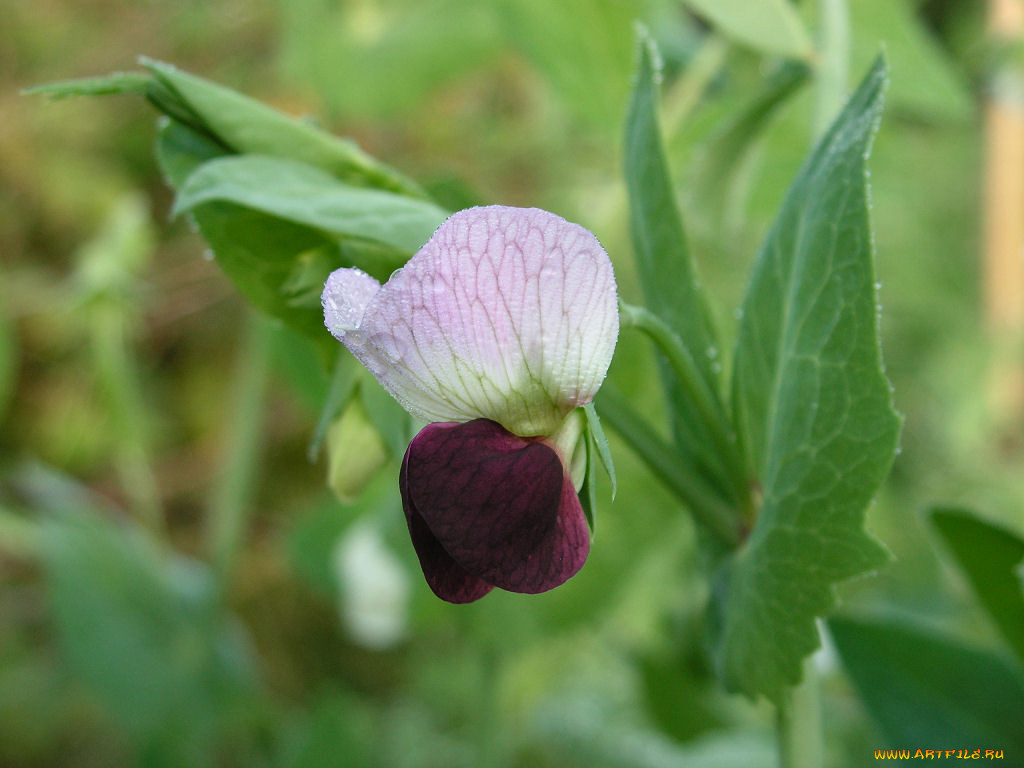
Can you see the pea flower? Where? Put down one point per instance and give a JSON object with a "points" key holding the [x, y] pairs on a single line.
{"points": [[494, 333]]}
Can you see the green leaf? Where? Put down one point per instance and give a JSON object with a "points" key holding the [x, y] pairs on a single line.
{"points": [[389, 418], [990, 557], [309, 196], [925, 78], [600, 443], [113, 84], [814, 408], [269, 260], [588, 491], [927, 689], [180, 150], [770, 26], [333, 724], [143, 632], [717, 174], [246, 126], [342, 386], [582, 49], [667, 464], [663, 260]]}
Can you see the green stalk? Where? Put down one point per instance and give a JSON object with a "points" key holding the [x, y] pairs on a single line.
{"points": [[703, 399], [232, 495], [798, 723], [669, 466], [118, 376], [688, 89], [833, 62]]}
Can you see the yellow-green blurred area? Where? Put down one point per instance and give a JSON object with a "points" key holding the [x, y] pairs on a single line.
{"points": [[178, 586]]}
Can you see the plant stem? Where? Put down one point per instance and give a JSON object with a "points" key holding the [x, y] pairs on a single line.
{"points": [[117, 371], [798, 724], [704, 400], [833, 62], [233, 493], [686, 91], [670, 467]]}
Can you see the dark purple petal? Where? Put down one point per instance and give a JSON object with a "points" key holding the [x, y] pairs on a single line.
{"points": [[501, 507], [447, 578]]}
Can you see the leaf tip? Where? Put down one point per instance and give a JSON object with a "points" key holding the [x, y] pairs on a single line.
{"points": [[648, 56]]}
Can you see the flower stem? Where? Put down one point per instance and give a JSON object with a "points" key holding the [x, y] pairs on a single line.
{"points": [[118, 373], [798, 724], [702, 398], [232, 494], [670, 467]]}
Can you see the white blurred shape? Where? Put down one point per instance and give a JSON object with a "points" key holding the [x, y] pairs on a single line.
{"points": [[374, 588]]}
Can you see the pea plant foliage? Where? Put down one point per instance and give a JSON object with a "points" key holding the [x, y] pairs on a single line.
{"points": [[490, 331]]}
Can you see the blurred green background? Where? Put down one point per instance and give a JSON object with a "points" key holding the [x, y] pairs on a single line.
{"points": [[145, 408]]}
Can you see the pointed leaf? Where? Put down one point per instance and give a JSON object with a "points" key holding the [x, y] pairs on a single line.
{"points": [[306, 195], [926, 79], [247, 126], [926, 689], [990, 557], [600, 444], [588, 491], [814, 409], [666, 269], [271, 261], [771, 26], [112, 84]]}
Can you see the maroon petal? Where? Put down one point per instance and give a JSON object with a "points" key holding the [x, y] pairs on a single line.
{"points": [[448, 579], [481, 502]]}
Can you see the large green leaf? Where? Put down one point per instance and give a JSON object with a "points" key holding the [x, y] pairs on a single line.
{"points": [[144, 633], [928, 690], [311, 197], [814, 408], [278, 265], [239, 124], [771, 26], [990, 557], [664, 264], [247, 126]]}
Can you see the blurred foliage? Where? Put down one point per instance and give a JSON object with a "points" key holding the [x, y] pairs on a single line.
{"points": [[124, 356]]}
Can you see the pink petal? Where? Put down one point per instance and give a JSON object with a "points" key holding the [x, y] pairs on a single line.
{"points": [[345, 297], [506, 313], [484, 504]]}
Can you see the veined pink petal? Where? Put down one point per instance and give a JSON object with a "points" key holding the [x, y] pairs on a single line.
{"points": [[486, 507], [508, 314]]}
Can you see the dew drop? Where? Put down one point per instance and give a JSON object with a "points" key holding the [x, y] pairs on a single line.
{"points": [[738, 313], [712, 352], [208, 254]]}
